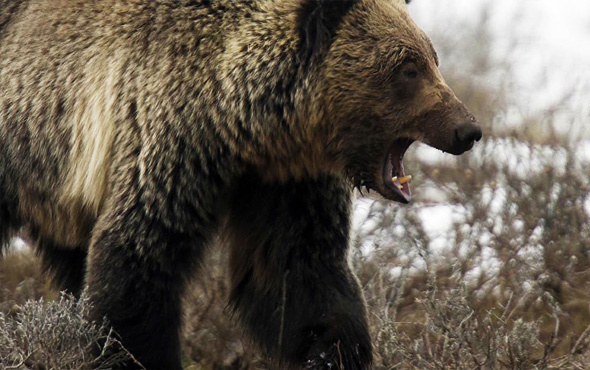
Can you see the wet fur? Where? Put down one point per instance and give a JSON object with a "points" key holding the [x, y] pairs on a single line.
{"points": [[130, 132]]}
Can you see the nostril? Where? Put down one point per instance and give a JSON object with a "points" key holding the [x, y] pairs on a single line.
{"points": [[469, 133]]}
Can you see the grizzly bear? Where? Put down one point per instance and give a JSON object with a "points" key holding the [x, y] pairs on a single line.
{"points": [[132, 133]]}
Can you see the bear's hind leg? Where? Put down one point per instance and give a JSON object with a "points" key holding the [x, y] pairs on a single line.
{"points": [[291, 283], [9, 220], [9, 224], [65, 265]]}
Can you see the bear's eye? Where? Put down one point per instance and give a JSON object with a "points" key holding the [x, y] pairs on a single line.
{"points": [[410, 71]]}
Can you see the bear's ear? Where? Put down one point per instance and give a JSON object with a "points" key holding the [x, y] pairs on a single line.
{"points": [[317, 23]]}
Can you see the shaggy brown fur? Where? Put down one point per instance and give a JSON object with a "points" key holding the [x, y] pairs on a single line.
{"points": [[129, 131]]}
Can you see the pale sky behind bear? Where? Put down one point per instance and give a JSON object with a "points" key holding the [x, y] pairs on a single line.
{"points": [[553, 53]]}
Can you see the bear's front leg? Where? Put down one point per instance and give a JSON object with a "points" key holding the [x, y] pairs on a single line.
{"points": [[137, 271], [291, 283]]}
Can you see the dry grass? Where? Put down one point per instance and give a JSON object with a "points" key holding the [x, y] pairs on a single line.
{"points": [[21, 279], [212, 339], [57, 335]]}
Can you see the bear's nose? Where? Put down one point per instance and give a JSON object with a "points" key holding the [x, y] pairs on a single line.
{"points": [[466, 135]]}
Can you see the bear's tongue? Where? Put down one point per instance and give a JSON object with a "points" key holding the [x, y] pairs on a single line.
{"points": [[394, 175]]}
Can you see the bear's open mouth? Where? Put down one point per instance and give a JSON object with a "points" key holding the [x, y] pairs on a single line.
{"points": [[394, 177]]}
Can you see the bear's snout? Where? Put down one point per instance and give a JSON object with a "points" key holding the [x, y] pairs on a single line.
{"points": [[465, 136]]}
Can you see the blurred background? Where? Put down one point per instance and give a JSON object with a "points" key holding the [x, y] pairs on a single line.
{"points": [[489, 266]]}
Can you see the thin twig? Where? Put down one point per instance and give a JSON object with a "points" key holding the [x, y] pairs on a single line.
{"points": [[283, 305]]}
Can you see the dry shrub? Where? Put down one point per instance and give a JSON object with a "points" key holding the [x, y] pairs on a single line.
{"points": [[57, 335], [445, 329]]}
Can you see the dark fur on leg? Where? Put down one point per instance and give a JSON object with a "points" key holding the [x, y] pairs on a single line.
{"points": [[9, 224], [138, 270], [65, 265], [9, 220], [292, 286]]}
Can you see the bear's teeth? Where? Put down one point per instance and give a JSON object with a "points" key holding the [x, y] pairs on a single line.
{"points": [[402, 180], [405, 179]]}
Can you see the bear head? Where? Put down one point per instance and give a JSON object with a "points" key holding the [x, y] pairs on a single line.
{"points": [[382, 91]]}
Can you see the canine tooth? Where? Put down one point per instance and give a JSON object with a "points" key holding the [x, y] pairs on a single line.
{"points": [[394, 178], [405, 179]]}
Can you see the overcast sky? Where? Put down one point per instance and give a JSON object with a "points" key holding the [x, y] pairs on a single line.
{"points": [[553, 53]]}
